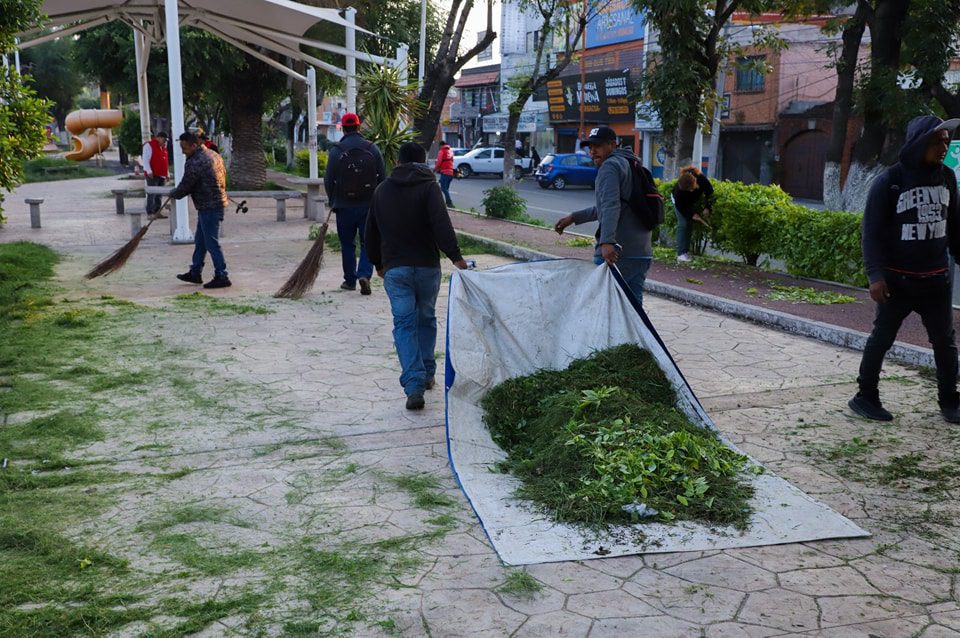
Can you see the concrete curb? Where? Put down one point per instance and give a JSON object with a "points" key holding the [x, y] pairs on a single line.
{"points": [[828, 333], [836, 335]]}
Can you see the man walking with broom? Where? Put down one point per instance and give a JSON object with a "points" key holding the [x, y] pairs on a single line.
{"points": [[354, 169], [408, 221], [205, 180]]}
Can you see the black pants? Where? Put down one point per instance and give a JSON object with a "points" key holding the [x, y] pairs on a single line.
{"points": [[929, 297], [154, 201]]}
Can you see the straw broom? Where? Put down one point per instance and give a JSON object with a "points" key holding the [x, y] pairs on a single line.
{"points": [[117, 260], [303, 278]]}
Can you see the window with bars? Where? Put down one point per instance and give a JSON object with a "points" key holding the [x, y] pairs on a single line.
{"points": [[749, 75]]}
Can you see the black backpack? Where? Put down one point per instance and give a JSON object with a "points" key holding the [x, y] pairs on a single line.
{"points": [[357, 173], [645, 200]]}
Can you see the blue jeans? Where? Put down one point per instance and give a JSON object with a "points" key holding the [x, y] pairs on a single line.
{"points": [[684, 231], [445, 187], [634, 271], [413, 300], [207, 240], [351, 222]]}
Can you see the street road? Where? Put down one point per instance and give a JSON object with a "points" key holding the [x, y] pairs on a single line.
{"points": [[548, 205]]}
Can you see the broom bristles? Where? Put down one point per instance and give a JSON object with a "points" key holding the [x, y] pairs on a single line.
{"points": [[303, 278], [117, 260]]}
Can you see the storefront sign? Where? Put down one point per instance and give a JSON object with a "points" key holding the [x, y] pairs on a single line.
{"points": [[617, 21], [606, 97], [497, 122], [953, 158]]}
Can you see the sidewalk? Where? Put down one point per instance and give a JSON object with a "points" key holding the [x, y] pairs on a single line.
{"points": [[261, 466]]}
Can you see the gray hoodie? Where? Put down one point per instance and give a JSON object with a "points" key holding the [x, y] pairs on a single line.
{"points": [[618, 224]]}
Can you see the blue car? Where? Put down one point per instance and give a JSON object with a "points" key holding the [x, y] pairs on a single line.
{"points": [[566, 169]]}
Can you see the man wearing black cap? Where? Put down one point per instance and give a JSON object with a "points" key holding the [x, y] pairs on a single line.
{"points": [[621, 238], [910, 223], [354, 169]]}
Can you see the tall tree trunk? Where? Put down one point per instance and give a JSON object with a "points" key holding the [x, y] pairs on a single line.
{"points": [[949, 101], [438, 77], [248, 168], [886, 37], [842, 106], [875, 146]]}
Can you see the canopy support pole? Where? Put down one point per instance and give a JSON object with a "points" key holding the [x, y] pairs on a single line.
{"points": [[180, 223], [351, 66], [141, 49], [312, 121]]}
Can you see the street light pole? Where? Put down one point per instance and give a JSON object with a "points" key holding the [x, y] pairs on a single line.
{"points": [[422, 62]]}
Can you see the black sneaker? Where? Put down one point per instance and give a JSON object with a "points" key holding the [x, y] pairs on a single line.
{"points": [[218, 282], [431, 383], [869, 409], [346, 286], [190, 278], [364, 286], [950, 407], [415, 401]]}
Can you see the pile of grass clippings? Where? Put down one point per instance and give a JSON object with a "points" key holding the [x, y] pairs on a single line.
{"points": [[592, 443]]}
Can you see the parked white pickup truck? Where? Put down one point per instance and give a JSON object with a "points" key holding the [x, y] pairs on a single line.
{"points": [[489, 160]]}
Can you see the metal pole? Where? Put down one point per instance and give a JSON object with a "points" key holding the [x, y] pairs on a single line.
{"points": [[312, 121], [715, 126], [422, 62], [351, 67], [141, 50], [181, 233], [697, 158], [403, 67], [16, 54]]}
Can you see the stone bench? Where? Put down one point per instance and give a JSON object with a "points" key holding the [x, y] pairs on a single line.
{"points": [[60, 169], [281, 198], [34, 211]]}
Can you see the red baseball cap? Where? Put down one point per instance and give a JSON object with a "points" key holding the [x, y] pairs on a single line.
{"points": [[350, 119]]}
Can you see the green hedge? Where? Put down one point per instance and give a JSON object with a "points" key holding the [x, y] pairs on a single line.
{"points": [[302, 162], [754, 220]]}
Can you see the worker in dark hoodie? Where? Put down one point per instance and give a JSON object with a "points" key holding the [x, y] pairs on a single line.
{"points": [[407, 223], [621, 238], [910, 223]]}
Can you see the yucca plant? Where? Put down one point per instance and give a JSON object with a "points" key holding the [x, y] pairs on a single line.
{"points": [[387, 109]]}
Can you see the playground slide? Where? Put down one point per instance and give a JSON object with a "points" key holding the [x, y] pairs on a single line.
{"points": [[90, 129]]}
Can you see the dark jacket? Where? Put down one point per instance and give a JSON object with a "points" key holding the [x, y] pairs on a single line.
{"points": [[205, 180], [911, 217], [689, 203], [408, 221], [618, 223], [349, 141]]}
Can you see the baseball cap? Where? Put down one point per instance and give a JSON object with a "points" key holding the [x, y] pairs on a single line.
{"points": [[350, 119], [601, 134], [948, 125]]}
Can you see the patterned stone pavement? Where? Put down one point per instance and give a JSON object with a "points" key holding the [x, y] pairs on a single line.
{"points": [[307, 442]]}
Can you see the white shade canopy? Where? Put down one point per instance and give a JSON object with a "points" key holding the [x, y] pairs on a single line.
{"points": [[256, 27]]}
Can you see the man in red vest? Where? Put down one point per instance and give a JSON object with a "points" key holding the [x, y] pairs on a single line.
{"points": [[155, 163], [444, 166]]}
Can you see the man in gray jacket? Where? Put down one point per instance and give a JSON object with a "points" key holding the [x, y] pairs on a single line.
{"points": [[622, 240]]}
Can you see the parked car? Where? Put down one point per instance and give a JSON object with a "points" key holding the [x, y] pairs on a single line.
{"points": [[489, 160], [457, 152], [566, 169]]}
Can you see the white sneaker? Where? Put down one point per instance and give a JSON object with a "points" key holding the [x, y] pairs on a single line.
{"points": [[684, 257]]}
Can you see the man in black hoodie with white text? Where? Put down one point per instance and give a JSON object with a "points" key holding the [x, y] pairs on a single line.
{"points": [[910, 223], [407, 223]]}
